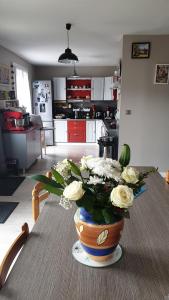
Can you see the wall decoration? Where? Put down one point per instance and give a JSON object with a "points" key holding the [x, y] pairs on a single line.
{"points": [[5, 75], [13, 77], [161, 74], [140, 50]]}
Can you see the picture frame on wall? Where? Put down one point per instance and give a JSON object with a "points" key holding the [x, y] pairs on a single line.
{"points": [[5, 75], [161, 74], [140, 50]]}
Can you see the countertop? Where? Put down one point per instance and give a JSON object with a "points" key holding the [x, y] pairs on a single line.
{"points": [[67, 119], [29, 129]]}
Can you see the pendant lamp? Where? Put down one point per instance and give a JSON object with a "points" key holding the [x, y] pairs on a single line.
{"points": [[68, 57], [75, 75]]}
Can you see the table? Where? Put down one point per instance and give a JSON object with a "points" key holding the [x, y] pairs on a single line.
{"points": [[46, 269]]}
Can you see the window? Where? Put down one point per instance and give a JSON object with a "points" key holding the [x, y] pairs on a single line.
{"points": [[22, 88]]}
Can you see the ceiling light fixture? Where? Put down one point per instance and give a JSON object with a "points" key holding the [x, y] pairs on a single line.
{"points": [[75, 75], [68, 57]]}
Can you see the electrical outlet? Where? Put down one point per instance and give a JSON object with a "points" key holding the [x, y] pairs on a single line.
{"points": [[128, 111]]}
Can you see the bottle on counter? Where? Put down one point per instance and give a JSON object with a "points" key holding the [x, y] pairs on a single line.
{"points": [[93, 111], [87, 116], [107, 115]]}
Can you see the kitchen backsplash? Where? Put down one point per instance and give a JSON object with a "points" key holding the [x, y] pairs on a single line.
{"points": [[94, 106]]}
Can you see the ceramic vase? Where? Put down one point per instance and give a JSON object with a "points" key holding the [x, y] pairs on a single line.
{"points": [[98, 241]]}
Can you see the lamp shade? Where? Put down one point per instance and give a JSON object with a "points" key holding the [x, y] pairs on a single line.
{"points": [[75, 75], [68, 57]]}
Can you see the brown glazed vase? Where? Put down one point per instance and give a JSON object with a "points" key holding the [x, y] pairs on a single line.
{"points": [[98, 241]]}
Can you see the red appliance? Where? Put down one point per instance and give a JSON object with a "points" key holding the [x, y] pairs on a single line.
{"points": [[15, 121]]}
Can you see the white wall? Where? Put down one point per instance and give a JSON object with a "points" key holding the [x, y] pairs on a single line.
{"points": [[146, 130]]}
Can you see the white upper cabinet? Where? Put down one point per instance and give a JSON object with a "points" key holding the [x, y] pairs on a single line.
{"points": [[108, 88], [90, 131], [112, 88], [59, 86], [97, 86]]}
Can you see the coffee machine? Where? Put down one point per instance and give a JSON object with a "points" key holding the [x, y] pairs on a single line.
{"points": [[108, 114], [15, 120]]}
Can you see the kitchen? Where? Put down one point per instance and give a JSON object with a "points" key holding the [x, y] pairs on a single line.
{"points": [[91, 100], [66, 110], [99, 44]]}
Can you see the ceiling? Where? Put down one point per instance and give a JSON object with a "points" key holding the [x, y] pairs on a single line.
{"points": [[35, 29]]}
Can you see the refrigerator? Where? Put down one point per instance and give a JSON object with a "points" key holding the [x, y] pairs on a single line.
{"points": [[42, 106]]}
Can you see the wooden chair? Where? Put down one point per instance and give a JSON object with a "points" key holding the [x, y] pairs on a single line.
{"points": [[167, 176], [38, 195], [12, 252]]}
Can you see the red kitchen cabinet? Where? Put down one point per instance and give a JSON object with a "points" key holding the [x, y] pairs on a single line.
{"points": [[76, 131]]}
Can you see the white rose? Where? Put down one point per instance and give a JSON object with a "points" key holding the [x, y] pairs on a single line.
{"points": [[130, 175], [74, 191], [122, 196]]}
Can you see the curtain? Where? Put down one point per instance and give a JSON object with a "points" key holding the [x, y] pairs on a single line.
{"points": [[23, 89]]}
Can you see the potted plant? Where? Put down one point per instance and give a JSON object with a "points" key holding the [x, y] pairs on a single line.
{"points": [[103, 190]]}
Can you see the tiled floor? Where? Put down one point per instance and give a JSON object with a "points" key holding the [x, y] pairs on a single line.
{"points": [[11, 228]]}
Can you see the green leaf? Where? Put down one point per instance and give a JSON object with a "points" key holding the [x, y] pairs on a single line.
{"points": [[97, 216], [47, 181], [58, 177], [53, 190], [75, 169], [70, 179], [108, 217], [87, 201], [125, 155]]}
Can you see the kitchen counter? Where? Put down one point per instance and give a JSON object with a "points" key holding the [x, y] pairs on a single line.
{"points": [[75, 119], [29, 129], [66, 130], [23, 146]]}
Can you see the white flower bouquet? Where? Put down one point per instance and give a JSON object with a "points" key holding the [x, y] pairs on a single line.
{"points": [[105, 188]]}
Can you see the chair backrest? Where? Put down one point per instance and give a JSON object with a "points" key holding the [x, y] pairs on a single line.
{"points": [[12, 252], [38, 195], [167, 176]]}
